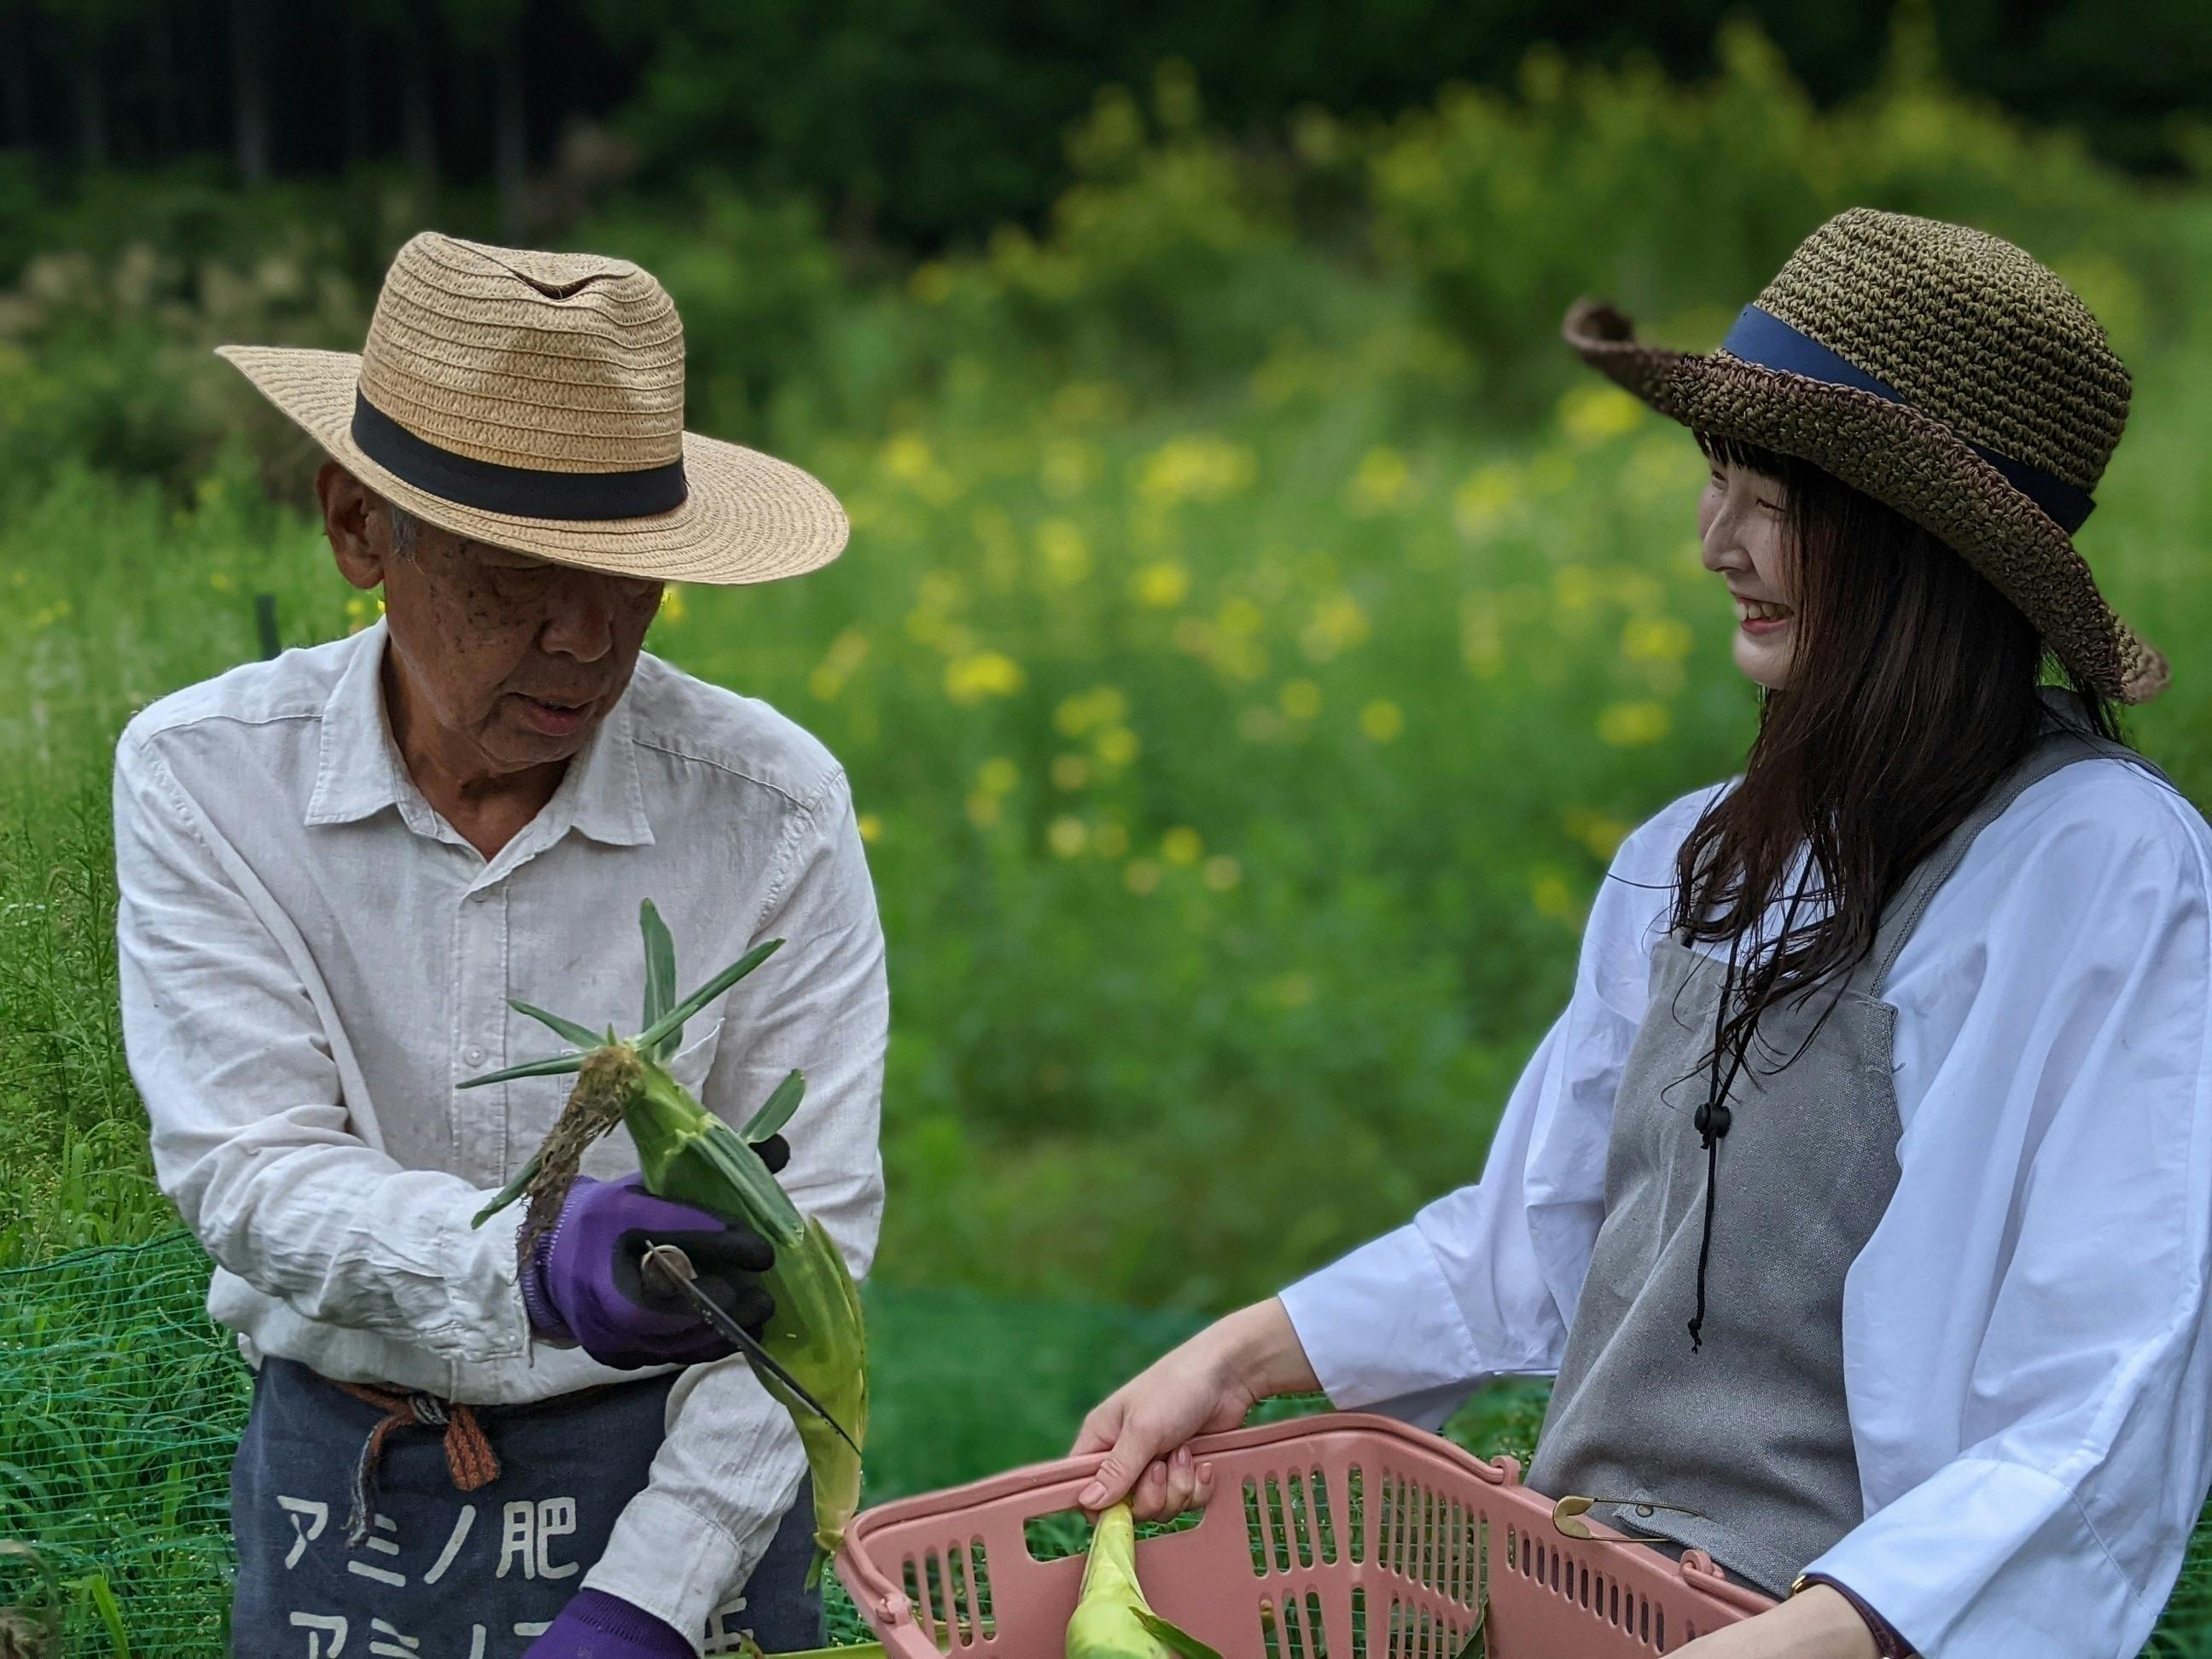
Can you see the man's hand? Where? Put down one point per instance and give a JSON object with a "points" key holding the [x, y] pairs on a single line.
{"points": [[1817, 1625], [597, 1625], [586, 1283]]}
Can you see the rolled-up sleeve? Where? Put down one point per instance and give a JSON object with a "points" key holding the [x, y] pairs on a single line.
{"points": [[731, 1460], [2033, 1418], [226, 1026]]}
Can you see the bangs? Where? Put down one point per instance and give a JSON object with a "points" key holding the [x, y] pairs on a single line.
{"points": [[1753, 458]]}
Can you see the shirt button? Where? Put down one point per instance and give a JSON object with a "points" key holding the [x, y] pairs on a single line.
{"points": [[475, 1056]]}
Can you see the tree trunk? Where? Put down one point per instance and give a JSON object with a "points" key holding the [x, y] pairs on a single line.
{"points": [[161, 75], [91, 105], [16, 66], [249, 93], [418, 119], [510, 134]]}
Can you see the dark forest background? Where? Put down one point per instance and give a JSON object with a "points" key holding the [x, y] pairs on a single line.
{"points": [[925, 124]]}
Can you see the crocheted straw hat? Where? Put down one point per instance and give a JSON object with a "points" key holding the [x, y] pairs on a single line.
{"points": [[536, 401], [1941, 371]]}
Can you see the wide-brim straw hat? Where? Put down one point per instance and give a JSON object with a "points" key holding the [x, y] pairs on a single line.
{"points": [[1941, 371], [535, 401]]}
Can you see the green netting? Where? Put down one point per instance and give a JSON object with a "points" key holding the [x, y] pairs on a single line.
{"points": [[121, 1403]]}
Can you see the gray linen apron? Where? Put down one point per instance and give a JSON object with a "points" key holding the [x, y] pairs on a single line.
{"points": [[1752, 1429]]}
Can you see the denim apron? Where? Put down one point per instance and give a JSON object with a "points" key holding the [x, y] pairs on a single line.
{"points": [[474, 1526], [1750, 1429]]}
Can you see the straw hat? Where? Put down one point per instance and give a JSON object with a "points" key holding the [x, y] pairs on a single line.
{"points": [[1941, 371], [536, 401]]}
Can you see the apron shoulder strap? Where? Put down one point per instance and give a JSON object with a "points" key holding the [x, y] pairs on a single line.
{"points": [[2064, 740]]}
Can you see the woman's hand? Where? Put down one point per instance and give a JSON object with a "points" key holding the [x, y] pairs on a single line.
{"points": [[1817, 1625], [1205, 1386]]}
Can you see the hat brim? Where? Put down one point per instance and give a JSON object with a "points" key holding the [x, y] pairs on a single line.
{"points": [[1905, 458], [746, 517]]}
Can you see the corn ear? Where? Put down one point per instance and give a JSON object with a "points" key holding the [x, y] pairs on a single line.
{"points": [[687, 1153], [1112, 1620]]}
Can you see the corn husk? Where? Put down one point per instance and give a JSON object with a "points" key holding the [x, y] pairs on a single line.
{"points": [[687, 1154]]}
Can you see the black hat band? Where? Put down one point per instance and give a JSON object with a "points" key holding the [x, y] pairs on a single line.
{"points": [[522, 491]]}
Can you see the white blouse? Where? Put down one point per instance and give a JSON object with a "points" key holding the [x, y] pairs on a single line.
{"points": [[2027, 1360]]}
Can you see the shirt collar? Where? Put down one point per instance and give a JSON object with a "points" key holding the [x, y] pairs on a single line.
{"points": [[360, 773]]}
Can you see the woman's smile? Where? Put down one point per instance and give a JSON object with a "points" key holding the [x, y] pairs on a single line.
{"points": [[1762, 618]]}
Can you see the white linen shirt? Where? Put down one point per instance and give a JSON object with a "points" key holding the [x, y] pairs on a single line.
{"points": [[2026, 1357], [312, 960]]}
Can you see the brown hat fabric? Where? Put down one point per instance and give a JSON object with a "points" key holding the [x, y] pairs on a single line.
{"points": [[1941, 371], [536, 401]]}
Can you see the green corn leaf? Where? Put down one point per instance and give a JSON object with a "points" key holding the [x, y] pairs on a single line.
{"points": [[558, 1066], [582, 1035], [1173, 1638], [649, 1039], [776, 1111], [512, 1191], [659, 976]]}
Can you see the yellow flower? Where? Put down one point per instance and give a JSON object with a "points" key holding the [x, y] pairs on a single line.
{"points": [[1182, 845], [1338, 623], [931, 283], [969, 680], [1102, 705], [997, 776], [1625, 725], [1111, 839], [1116, 745], [1548, 891], [223, 582], [907, 457], [1163, 586], [1382, 719], [1067, 837], [1301, 699], [1574, 587], [1655, 639], [1485, 495], [1200, 468], [1069, 468], [984, 811], [1240, 618], [1070, 771], [1222, 872], [871, 827], [846, 654], [1381, 481], [1067, 553], [1590, 414], [1602, 835], [672, 608], [1140, 875]]}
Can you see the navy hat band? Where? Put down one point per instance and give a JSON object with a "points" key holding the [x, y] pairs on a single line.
{"points": [[1762, 338], [523, 491]]}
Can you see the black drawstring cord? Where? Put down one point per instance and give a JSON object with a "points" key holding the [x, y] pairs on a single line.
{"points": [[1713, 1118]]}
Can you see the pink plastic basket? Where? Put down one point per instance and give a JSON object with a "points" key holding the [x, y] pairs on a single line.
{"points": [[1335, 1537]]}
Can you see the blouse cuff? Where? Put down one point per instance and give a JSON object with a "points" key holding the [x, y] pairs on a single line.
{"points": [[1963, 1562], [1381, 1329]]}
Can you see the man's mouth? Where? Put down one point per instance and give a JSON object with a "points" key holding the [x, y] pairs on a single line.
{"points": [[554, 717]]}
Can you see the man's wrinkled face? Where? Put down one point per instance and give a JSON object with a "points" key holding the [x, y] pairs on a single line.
{"points": [[521, 656], [512, 659]]}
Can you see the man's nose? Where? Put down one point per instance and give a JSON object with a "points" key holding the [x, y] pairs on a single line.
{"points": [[581, 621]]}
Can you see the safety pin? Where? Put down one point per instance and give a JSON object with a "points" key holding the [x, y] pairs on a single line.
{"points": [[1567, 1513]]}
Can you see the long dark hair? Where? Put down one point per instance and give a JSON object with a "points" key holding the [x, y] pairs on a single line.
{"points": [[1913, 688]]}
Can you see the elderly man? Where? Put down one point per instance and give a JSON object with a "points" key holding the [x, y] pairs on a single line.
{"points": [[338, 868]]}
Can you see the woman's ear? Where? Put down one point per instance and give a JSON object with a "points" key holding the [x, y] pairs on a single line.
{"points": [[346, 504]]}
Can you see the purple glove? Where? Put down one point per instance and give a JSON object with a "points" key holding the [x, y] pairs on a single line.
{"points": [[585, 1283], [597, 1625]]}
